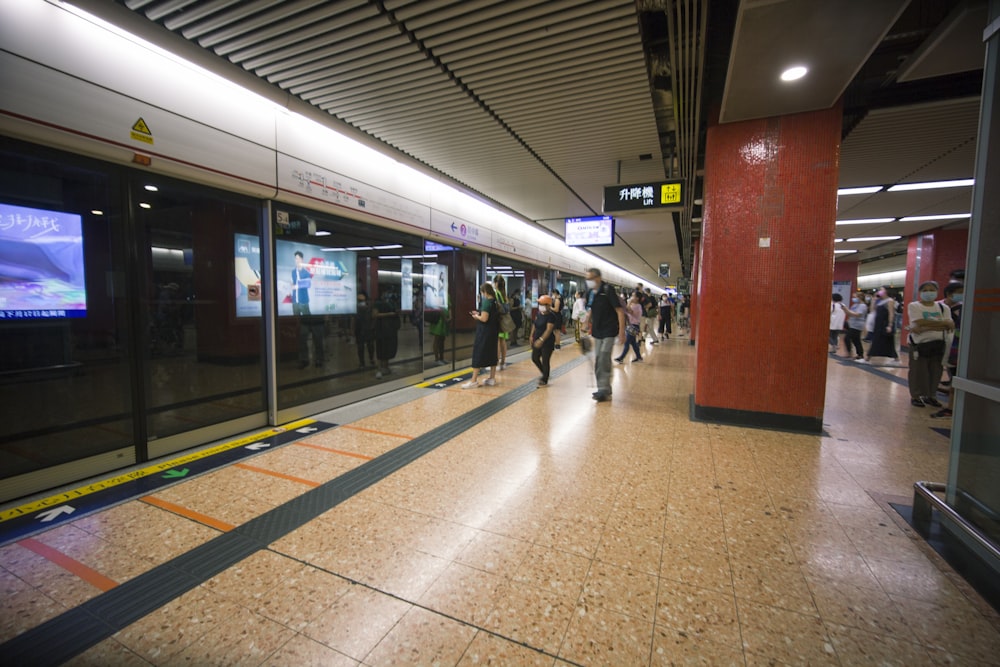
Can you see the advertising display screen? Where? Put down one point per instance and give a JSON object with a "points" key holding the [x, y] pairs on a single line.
{"points": [[593, 231], [315, 280], [41, 264], [435, 286], [247, 253]]}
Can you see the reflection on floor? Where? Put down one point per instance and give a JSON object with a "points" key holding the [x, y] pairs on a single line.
{"points": [[556, 531]]}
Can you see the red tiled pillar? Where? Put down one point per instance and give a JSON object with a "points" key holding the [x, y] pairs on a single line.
{"points": [[933, 255], [846, 271], [766, 270], [693, 289]]}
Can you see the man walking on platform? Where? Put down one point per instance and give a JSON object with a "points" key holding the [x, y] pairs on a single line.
{"points": [[607, 323]]}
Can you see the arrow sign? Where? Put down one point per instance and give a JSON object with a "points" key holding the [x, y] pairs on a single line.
{"points": [[259, 445], [306, 429], [49, 515], [174, 474], [440, 384], [454, 226]]}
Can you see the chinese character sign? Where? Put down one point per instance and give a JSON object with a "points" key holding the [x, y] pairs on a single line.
{"points": [[641, 196]]}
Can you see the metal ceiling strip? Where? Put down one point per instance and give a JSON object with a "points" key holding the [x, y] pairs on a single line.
{"points": [[222, 19], [318, 41], [365, 90], [193, 14], [540, 86], [489, 18], [429, 109], [285, 17], [161, 9], [426, 121], [484, 60], [404, 102], [382, 51], [407, 62], [571, 64], [287, 31]]}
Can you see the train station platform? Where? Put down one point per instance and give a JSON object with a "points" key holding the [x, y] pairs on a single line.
{"points": [[516, 525]]}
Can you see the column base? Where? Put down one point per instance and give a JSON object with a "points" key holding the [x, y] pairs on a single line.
{"points": [[751, 419]]}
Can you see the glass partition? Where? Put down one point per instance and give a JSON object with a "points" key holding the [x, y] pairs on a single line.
{"points": [[66, 384]]}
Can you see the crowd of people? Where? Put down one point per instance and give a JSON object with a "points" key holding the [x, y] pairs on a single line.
{"points": [[931, 335]]}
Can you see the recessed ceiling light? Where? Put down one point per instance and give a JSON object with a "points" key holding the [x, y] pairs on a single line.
{"points": [[922, 218], [152, 188], [865, 221], [323, 232], [793, 73], [97, 212], [931, 185], [843, 252], [862, 239], [866, 190], [145, 205]]}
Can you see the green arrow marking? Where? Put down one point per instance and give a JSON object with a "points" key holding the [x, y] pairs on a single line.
{"points": [[174, 474]]}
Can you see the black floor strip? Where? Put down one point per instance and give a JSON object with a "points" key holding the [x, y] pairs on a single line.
{"points": [[82, 627]]}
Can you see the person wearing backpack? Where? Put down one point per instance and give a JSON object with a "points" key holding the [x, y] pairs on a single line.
{"points": [[651, 311]]}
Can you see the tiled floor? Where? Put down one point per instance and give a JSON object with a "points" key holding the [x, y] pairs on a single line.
{"points": [[559, 531]]}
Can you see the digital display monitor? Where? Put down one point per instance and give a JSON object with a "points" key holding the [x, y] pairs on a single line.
{"points": [[315, 280], [247, 253], [41, 264], [593, 231]]}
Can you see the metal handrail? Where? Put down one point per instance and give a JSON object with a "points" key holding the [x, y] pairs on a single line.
{"points": [[926, 490]]}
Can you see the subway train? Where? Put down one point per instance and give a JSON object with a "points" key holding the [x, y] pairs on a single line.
{"points": [[185, 255]]}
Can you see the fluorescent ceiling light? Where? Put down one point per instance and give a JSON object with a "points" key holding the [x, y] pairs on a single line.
{"points": [[862, 239], [794, 73], [838, 240], [143, 204], [922, 218], [966, 182], [323, 232], [152, 188], [868, 189], [333, 249], [359, 248], [843, 252], [865, 221], [97, 212], [391, 246], [389, 257]]}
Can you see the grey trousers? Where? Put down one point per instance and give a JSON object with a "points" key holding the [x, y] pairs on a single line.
{"points": [[924, 374], [602, 362]]}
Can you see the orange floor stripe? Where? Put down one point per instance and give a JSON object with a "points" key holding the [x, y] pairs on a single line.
{"points": [[188, 513], [369, 430], [275, 473], [91, 576], [335, 451]]}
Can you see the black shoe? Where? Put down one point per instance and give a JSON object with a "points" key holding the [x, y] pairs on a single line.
{"points": [[942, 414], [600, 397], [619, 361], [916, 402], [543, 383], [933, 402]]}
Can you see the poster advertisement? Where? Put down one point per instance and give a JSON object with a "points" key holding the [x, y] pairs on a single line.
{"points": [[435, 286], [406, 288], [41, 264], [315, 277], [247, 268]]}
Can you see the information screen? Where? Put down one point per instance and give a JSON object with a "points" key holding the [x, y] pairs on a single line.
{"points": [[41, 264], [594, 231]]}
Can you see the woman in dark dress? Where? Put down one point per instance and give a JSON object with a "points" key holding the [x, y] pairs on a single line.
{"points": [[484, 347], [884, 331]]}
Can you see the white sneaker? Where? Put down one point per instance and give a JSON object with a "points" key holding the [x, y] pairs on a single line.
{"points": [[490, 382], [470, 384]]}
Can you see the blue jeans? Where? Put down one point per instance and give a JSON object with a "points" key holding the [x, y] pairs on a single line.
{"points": [[602, 362]]}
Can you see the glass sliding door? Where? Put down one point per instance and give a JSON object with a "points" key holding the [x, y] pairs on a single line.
{"points": [[202, 344], [66, 381]]}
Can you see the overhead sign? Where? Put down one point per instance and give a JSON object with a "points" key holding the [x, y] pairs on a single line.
{"points": [[593, 231], [664, 270], [643, 196]]}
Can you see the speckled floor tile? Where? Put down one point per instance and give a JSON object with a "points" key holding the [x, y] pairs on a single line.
{"points": [[676, 647], [532, 616], [300, 651], [599, 636], [627, 591], [958, 631], [857, 647], [357, 621], [792, 638], [493, 651], [423, 638], [552, 570], [108, 652], [465, 593], [242, 638], [699, 613], [496, 554]]}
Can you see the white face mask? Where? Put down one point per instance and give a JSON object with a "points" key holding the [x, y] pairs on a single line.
{"points": [[591, 284]]}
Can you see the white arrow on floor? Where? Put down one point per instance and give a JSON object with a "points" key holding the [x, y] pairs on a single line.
{"points": [[259, 445], [49, 515], [306, 429]]}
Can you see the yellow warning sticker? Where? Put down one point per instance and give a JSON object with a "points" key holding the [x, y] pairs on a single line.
{"points": [[141, 132]]}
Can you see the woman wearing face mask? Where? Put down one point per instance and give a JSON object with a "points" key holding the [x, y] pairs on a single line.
{"points": [[543, 338], [855, 325], [884, 329], [484, 347], [930, 325], [633, 315]]}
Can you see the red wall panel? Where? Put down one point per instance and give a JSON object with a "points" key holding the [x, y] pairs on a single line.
{"points": [[763, 311]]}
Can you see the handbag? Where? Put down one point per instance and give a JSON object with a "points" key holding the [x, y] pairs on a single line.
{"points": [[506, 323], [632, 330]]}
